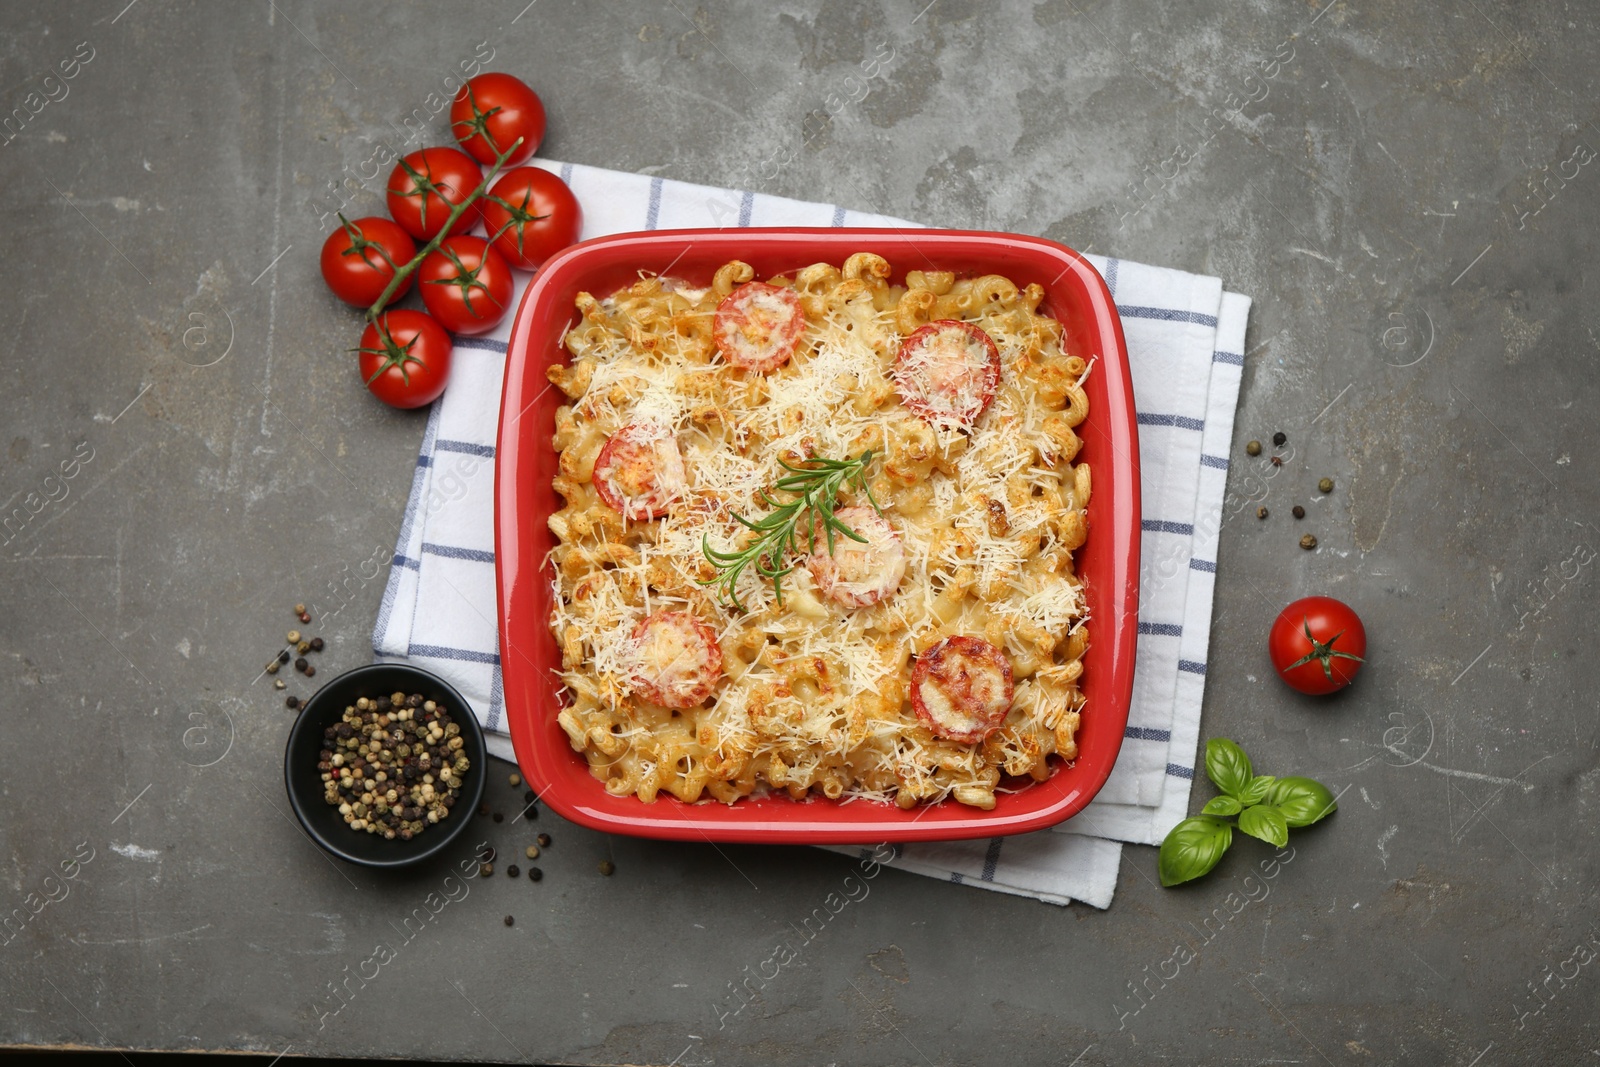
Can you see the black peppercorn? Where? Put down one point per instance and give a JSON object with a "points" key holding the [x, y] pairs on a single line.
{"points": [[1298, 512], [483, 809], [291, 703], [487, 854], [513, 871], [530, 796], [510, 920], [544, 840], [283, 657], [316, 644], [535, 874], [1279, 438], [301, 664], [499, 817]]}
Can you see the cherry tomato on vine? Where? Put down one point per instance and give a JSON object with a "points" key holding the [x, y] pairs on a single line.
{"points": [[405, 358], [466, 285], [426, 185], [530, 215], [491, 111], [1317, 645], [361, 257]]}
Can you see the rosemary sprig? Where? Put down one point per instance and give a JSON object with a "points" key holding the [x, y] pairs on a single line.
{"points": [[812, 489]]}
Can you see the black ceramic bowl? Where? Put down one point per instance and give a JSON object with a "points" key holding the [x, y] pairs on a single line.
{"points": [[304, 782]]}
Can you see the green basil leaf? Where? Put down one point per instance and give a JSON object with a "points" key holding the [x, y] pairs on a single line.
{"points": [[1302, 800], [1256, 791], [1221, 806], [1267, 823], [1228, 767], [1192, 848]]}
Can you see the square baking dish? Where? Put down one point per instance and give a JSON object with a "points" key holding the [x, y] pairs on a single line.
{"points": [[526, 462]]}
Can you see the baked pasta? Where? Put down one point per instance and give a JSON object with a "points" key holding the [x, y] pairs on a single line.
{"points": [[893, 465]]}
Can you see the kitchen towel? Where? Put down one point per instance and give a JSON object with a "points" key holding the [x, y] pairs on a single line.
{"points": [[1185, 346]]}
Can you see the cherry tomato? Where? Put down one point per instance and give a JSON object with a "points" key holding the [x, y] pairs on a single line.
{"points": [[757, 326], [947, 372], [426, 185], [466, 285], [360, 257], [961, 687], [1317, 644], [678, 660], [405, 358], [640, 471], [858, 573], [531, 215], [491, 111]]}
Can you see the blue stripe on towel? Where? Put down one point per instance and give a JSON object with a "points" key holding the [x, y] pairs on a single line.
{"points": [[476, 555], [1133, 311], [1182, 422], [1163, 526]]}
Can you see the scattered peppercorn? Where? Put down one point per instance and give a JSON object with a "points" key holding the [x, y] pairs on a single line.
{"points": [[1279, 438], [1277, 461], [316, 644], [498, 817], [516, 780], [608, 868], [1298, 512], [305, 616], [303, 647], [283, 657], [1253, 448], [299, 608], [1261, 512], [310, 670], [1325, 486], [483, 809], [292, 703], [487, 854], [485, 869], [510, 920], [513, 871], [530, 796], [279, 683], [1308, 542], [293, 636], [532, 852], [535, 874], [301, 664], [544, 840], [272, 668]]}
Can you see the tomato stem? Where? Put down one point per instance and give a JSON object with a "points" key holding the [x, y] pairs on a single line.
{"points": [[402, 273]]}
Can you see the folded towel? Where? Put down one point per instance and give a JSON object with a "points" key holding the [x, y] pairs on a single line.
{"points": [[1185, 344]]}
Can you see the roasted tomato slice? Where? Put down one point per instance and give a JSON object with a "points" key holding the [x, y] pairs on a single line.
{"points": [[858, 574], [639, 471], [757, 326], [947, 373], [961, 687], [677, 661]]}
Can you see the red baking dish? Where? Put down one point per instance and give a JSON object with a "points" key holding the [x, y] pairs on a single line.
{"points": [[524, 500]]}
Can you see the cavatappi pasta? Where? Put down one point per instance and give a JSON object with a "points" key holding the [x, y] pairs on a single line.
{"points": [[815, 693]]}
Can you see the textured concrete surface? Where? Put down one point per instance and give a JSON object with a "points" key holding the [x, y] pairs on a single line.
{"points": [[1407, 190]]}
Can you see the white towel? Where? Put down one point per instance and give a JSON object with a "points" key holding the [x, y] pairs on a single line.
{"points": [[1185, 344]]}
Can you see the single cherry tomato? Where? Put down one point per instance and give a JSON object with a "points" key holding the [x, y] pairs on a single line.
{"points": [[677, 660], [1317, 645], [466, 285], [640, 471], [947, 373], [405, 358], [361, 257], [530, 214], [961, 687], [426, 186], [858, 573], [757, 326], [491, 111]]}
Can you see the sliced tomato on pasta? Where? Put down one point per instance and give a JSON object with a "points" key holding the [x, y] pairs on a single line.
{"points": [[947, 372], [961, 687], [677, 660], [640, 471], [858, 574], [757, 326]]}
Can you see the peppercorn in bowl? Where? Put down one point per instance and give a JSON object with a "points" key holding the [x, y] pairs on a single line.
{"points": [[385, 765]]}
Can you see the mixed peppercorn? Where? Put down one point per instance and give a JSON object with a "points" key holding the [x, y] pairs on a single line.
{"points": [[393, 765], [1325, 485]]}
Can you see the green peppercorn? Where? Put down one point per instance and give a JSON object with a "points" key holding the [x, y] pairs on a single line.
{"points": [[1325, 486], [1308, 542], [608, 868], [1261, 512], [516, 780], [1253, 448]]}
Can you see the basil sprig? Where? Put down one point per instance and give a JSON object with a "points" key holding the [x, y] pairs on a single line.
{"points": [[1266, 807]]}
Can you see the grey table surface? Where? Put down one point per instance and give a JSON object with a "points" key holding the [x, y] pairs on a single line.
{"points": [[1404, 189]]}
